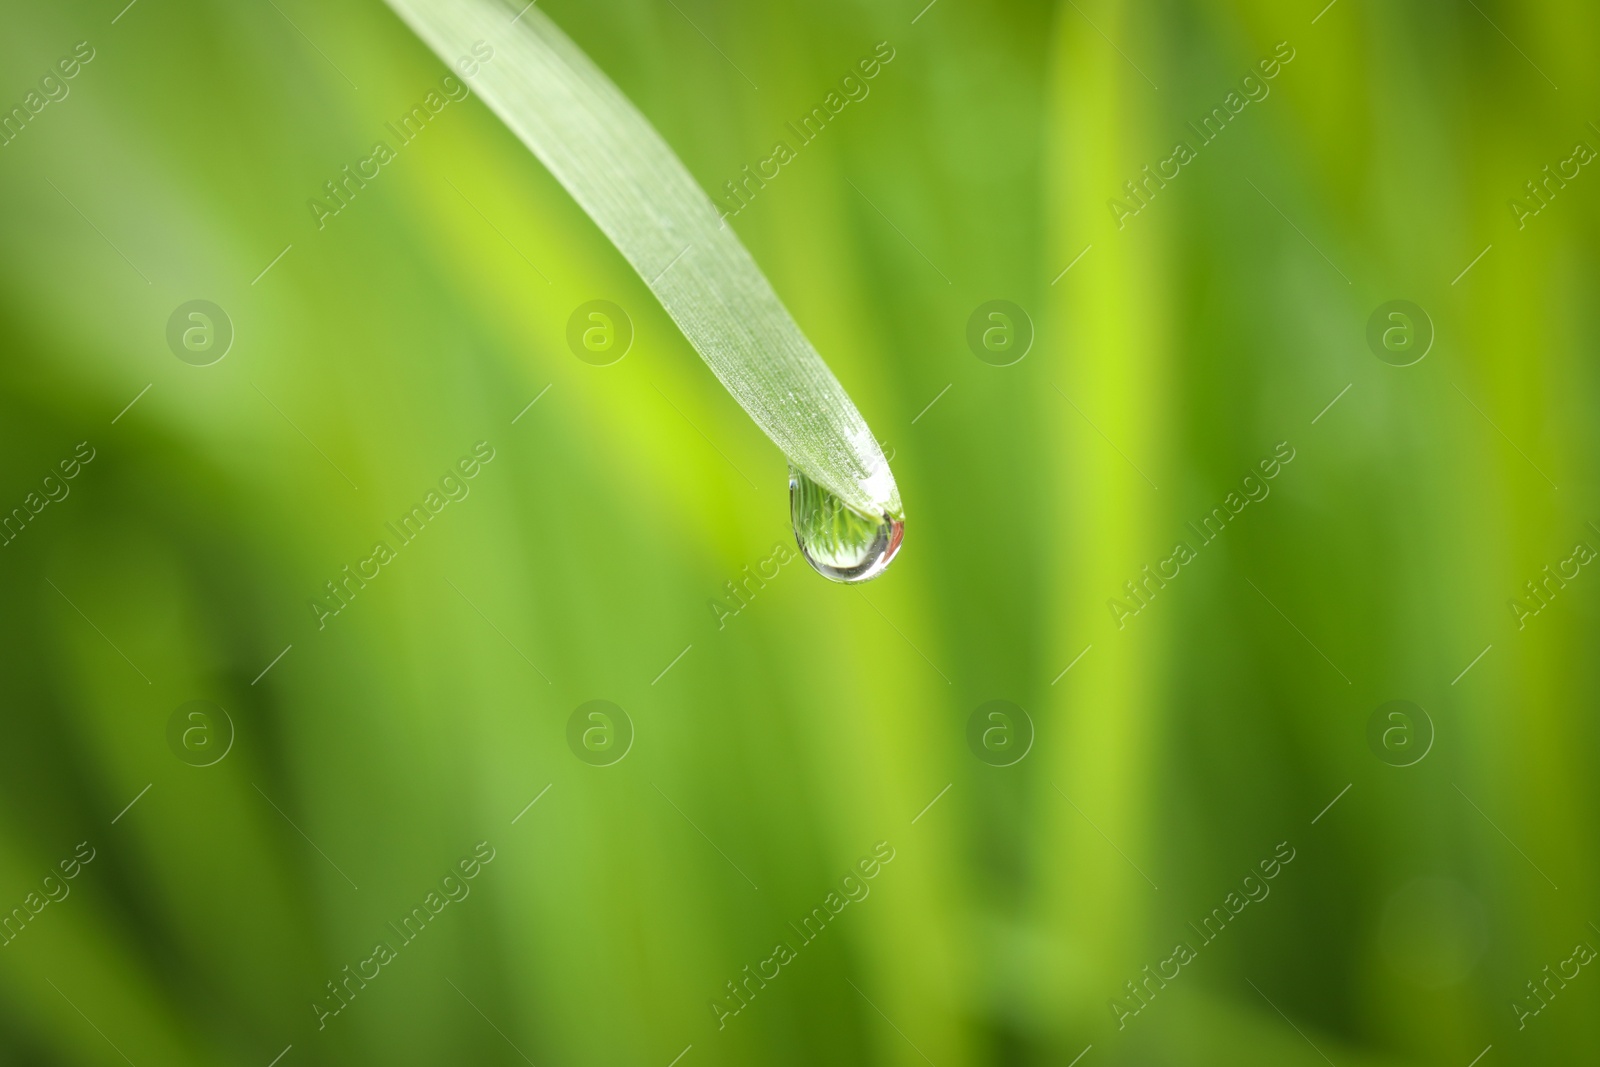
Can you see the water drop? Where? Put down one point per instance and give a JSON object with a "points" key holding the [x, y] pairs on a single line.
{"points": [[842, 544]]}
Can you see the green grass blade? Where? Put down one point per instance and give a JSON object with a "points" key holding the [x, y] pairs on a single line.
{"points": [[639, 193]]}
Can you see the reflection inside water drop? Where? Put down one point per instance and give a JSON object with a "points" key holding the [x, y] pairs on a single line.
{"points": [[840, 542]]}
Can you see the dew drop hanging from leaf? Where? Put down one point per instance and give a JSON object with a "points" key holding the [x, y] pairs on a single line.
{"points": [[840, 543], [846, 507]]}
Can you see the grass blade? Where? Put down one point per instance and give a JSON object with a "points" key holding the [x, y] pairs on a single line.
{"points": [[634, 187]]}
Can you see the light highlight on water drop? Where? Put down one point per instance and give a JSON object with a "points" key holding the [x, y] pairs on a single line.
{"points": [[841, 544]]}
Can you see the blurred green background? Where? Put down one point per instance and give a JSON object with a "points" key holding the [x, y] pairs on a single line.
{"points": [[370, 756]]}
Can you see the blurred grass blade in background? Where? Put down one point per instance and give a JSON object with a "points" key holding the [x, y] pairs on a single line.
{"points": [[1186, 755]]}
